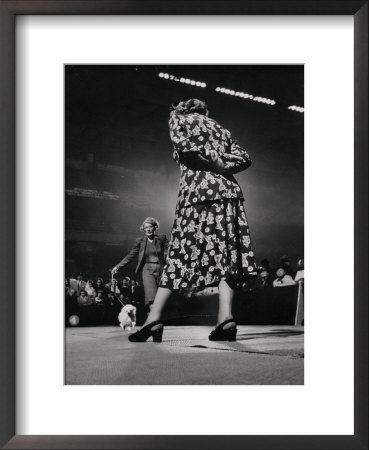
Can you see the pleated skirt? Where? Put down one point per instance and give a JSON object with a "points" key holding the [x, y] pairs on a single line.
{"points": [[209, 242]]}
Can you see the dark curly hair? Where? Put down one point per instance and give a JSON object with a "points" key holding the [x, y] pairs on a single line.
{"points": [[190, 106]]}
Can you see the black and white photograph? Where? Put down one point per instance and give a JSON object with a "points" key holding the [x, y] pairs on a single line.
{"points": [[184, 224]]}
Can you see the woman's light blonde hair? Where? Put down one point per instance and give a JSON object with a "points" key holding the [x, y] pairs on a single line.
{"points": [[151, 221]]}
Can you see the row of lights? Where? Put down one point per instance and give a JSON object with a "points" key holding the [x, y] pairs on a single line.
{"points": [[223, 90], [297, 108], [170, 77], [267, 101]]}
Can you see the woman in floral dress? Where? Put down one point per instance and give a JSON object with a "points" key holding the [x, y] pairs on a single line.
{"points": [[210, 240]]}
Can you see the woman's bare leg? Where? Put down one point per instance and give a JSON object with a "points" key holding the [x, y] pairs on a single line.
{"points": [[161, 298], [226, 294]]}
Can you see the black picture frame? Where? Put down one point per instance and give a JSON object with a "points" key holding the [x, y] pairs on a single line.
{"points": [[8, 11]]}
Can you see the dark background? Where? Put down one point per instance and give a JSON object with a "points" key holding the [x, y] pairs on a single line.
{"points": [[117, 141]]}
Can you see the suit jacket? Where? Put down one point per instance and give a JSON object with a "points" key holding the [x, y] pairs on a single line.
{"points": [[194, 136], [161, 244]]}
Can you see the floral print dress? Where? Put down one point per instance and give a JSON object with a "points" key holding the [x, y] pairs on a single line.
{"points": [[210, 238]]}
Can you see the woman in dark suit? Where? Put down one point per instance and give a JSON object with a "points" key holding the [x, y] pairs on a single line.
{"points": [[210, 242], [150, 251]]}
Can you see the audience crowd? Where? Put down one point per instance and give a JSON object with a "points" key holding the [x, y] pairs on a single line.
{"points": [[284, 274], [101, 301]]}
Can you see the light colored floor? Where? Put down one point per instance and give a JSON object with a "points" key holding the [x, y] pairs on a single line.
{"points": [[261, 355]]}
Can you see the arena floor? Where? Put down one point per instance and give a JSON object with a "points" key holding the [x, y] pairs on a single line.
{"points": [[262, 355]]}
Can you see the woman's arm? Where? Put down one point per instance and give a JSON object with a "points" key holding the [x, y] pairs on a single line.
{"points": [[194, 146], [194, 160], [127, 259], [237, 160]]}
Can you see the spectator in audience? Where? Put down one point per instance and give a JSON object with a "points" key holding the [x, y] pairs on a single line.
{"points": [[286, 264], [69, 291], [125, 289], [300, 271], [77, 284], [71, 306], [89, 288], [113, 286], [110, 299], [264, 279], [282, 279], [99, 299], [265, 265], [100, 285], [90, 312], [83, 299]]}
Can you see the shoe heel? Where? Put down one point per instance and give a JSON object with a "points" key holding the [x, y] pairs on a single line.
{"points": [[232, 333], [157, 335]]}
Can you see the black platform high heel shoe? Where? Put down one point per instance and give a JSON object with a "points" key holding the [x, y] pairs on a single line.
{"points": [[218, 334], [147, 331]]}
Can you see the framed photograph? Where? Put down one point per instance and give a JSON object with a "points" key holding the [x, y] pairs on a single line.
{"points": [[207, 253], [168, 170]]}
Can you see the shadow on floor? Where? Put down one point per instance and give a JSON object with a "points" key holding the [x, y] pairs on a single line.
{"points": [[273, 333]]}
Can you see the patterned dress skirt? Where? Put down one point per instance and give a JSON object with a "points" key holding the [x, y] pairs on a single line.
{"points": [[210, 241]]}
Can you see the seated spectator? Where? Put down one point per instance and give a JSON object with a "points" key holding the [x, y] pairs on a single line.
{"points": [[111, 299], [264, 279], [90, 313], [99, 285], [89, 288], [69, 292], [286, 265], [71, 306], [77, 284], [282, 278], [112, 286], [83, 299], [265, 265], [125, 290], [99, 299], [300, 271]]}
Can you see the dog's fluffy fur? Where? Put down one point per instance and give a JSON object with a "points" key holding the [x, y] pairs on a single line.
{"points": [[127, 317]]}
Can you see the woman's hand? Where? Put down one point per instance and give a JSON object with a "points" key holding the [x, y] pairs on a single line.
{"points": [[114, 270], [217, 161], [225, 167], [233, 158], [224, 164]]}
